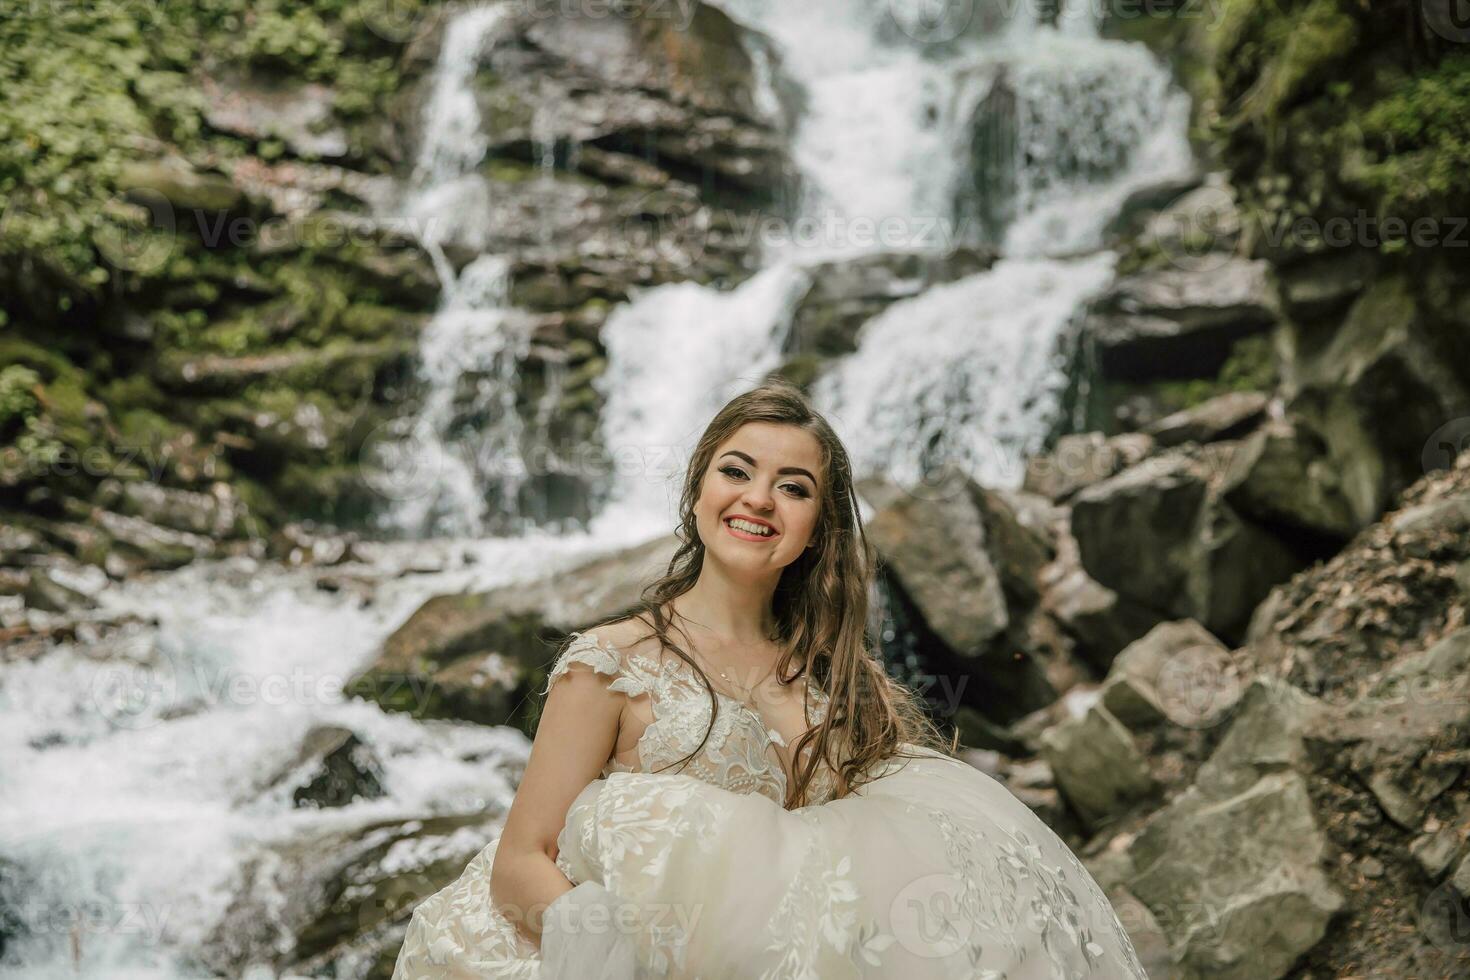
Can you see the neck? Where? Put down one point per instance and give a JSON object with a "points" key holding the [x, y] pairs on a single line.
{"points": [[735, 610]]}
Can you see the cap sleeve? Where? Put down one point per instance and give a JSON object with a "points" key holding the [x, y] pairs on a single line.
{"points": [[590, 649]]}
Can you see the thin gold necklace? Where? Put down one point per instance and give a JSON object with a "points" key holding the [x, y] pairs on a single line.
{"points": [[746, 697]]}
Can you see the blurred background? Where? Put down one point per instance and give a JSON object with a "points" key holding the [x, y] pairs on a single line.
{"points": [[351, 353]]}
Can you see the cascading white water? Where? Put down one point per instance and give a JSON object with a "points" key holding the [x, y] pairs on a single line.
{"points": [[967, 374], [435, 477], [134, 820]]}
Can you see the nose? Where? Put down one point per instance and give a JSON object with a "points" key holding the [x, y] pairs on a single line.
{"points": [[757, 497]]}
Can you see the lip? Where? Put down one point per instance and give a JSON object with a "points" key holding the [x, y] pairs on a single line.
{"points": [[745, 535]]}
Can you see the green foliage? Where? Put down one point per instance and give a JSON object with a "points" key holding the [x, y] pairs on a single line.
{"points": [[1268, 55], [17, 394], [90, 87], [1421, 133]]}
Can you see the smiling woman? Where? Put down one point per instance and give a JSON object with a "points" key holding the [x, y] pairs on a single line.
{"points": [[667, 828]]}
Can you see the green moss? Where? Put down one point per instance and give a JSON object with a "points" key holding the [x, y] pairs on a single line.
{"points": [[1420, 137], [18, 385], [1269, 55], [368, 321]]}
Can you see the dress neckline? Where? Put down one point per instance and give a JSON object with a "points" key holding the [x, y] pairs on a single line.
{"points": [[817, 695]]}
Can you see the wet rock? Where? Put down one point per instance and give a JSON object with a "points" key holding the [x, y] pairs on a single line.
{"points": [[481, 656], [339, 901], [1082, 459], [332, 768], [45, 592], [140, 543], [1228, 416], [214, 514], [1145, 204], [1179, 323], [844, 295]]}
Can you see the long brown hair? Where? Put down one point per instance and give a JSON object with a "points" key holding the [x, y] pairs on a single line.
{"points": [[820, 608]]}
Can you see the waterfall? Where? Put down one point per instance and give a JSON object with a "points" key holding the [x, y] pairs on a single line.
{"points": [[968, 374], [437, 467], [130, 801]]}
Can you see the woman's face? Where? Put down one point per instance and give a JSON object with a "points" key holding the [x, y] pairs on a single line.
{"points": [[768, 473]]}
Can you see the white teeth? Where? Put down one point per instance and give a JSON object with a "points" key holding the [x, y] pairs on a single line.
{"points": [[736, 522]]}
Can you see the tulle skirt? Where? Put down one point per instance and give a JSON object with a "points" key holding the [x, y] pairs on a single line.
{"points": [[933, 870]]}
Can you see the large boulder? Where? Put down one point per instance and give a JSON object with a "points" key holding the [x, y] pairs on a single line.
{"points": [[1178, 672], [965, 569], [1161, 534], [1179, 322], [1375, 391], [1097, 765], [1237, 883], [482, 656]]}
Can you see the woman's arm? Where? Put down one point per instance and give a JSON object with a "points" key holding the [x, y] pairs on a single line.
{"points": [[574, 739]]}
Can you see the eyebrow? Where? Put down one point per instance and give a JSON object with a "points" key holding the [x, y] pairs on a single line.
{"points": [[796, 470]]}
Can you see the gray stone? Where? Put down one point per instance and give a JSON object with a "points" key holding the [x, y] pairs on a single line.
{"points": [[1236, 884], [480, 656], [1097, 765], [1436, 852], [1282, 474], [937, 546], [1160, 534], [1227, 416], [1268, 733], [1374, 390], [1083, 459], [1177, 322], [1177, 671]]}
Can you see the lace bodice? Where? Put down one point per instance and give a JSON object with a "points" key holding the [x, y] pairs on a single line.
{"points": [[741, 754]]}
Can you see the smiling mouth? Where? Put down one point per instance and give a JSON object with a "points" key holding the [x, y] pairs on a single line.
{"points": [[749, 530]]}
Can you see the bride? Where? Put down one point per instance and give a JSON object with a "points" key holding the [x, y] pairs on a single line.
{"points": [[727, 783]]}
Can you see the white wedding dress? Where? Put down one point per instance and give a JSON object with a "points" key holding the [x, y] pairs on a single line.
{"points": [[933, 870]]}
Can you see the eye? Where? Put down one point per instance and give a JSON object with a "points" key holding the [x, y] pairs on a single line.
{"points": [[798, 489], [729, 467]]}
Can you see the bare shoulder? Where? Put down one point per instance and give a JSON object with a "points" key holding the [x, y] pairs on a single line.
{"points": [[629, 636]]}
